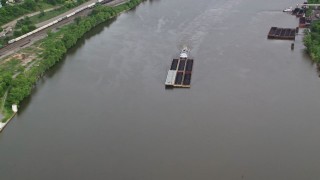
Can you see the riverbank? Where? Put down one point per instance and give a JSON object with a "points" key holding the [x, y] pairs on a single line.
{"points": [[4, 124], [103, 112], [28, 65], [312, 37], [30, 21]]}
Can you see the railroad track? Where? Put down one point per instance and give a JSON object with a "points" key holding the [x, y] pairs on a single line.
{"points": [[12, 48], [29, 40]]}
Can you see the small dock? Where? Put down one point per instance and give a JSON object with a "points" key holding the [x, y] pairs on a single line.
{"points": [[282, 33], [179, 75], [304, 22]]}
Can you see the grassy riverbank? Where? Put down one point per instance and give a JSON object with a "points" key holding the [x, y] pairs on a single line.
{"points": [[10, 12], [312, 38], [312, 41], [39, 13], [48, 15], [47, 52]]}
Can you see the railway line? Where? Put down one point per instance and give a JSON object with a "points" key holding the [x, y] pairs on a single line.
{"points": [[28, 39]]}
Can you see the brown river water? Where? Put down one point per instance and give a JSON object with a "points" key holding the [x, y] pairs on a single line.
{"points": [[103, 112]]}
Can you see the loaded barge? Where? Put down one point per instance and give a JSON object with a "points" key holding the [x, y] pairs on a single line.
{"points": [[282, 33], [179, 75]]}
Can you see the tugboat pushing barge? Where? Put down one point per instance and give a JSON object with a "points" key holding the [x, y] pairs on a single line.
{"points": [[179, 75]]}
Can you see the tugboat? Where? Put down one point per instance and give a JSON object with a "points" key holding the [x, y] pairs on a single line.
{"points": [[288, 9], [180, 71]]}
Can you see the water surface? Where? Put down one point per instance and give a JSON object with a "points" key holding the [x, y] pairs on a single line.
{"points": [[103, 113]]}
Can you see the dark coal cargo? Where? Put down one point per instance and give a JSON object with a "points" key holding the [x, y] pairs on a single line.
{"points": [[179, 75]]}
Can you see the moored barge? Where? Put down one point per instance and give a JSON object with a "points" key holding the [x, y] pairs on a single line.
{"points": [[282, 33], [304, 22]]}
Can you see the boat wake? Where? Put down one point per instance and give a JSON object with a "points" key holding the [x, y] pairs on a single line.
{"points": [[194, 31]]}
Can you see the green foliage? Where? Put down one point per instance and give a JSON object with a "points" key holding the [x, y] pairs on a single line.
{"points": [[313, 1], [42, 13], [23, 26], [312, 41], [3, 2], [54, 2], [10, 66], [30, 4], [4, 40], [17, 33], [308, 12], [56, 45], [9, 13], [5, 82], [27, 24], [312, 38], [21, 87], [25, 21], [43, 16]]}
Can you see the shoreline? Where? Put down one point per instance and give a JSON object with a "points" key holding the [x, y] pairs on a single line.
{"points": [[311, 40], [4, 124], [52, 50]]}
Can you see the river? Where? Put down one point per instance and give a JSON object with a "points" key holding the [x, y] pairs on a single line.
{"points": [[103, 112]]}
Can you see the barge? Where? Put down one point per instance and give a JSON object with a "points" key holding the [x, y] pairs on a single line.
{"points": [[282, 33], [304, 22], [179, 75]]}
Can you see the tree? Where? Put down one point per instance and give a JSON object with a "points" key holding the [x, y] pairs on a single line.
{"points": [[25, 21], [307, 41], [3, 2], [30, 4], [24, 29], [49, 33], [7, 78], [53, 2], [69, 40], [42, 13], [31, 27], [17, 33], [5, 81], [77, 20]]}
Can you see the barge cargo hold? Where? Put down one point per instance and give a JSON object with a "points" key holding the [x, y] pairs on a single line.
{"points": [[179, 75], [282, 33]]}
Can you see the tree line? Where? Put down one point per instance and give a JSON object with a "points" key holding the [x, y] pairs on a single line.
{"points": [[25, 25], [312, 41], [56, 45], [312, 37], [11, 12], [5, 81], [313, 1]]}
